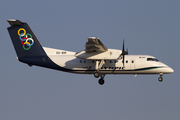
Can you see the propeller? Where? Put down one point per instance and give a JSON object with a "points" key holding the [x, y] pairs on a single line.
{"points": [[124, 53]]}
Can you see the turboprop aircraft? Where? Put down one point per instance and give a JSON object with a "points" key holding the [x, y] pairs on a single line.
{"points": [[95, 59]]}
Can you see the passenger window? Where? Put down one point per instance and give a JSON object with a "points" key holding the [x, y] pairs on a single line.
{"points": [[57, 52], [132, 61], [63, 52], [126, 61]]}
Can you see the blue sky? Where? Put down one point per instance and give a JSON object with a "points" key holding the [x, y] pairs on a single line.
{"points": [[148, 27]]}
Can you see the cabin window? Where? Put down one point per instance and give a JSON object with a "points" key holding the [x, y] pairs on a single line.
{"points": [[57, 52], [84, 61], [132, 61], [63, 52], [80, 61], [126, 61]]}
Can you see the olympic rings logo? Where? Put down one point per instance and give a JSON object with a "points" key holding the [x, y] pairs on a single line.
{"points": [[110, 53], [26, 39]]}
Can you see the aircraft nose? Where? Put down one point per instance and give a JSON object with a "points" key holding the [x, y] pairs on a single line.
{"points": [[170, 70]]}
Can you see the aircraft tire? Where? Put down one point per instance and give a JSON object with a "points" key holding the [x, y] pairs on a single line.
{"points": [[101, 81], [96, 75], [160, 79]]}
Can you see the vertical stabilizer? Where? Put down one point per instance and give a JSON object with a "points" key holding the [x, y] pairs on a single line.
{"points": [[24, 40]]}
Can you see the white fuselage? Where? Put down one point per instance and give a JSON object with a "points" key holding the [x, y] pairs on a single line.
{"points": [[134, 64]]}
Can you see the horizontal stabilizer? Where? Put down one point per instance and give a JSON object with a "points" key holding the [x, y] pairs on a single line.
{"points": [[14, 22]]}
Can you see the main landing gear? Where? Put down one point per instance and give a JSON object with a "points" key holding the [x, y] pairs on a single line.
{"points": [[96, 75], [160, 78], [101, 80]]}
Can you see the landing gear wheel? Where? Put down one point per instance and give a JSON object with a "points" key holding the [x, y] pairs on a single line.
{"points": [[96, 75], [160, 79], [101, 81]]}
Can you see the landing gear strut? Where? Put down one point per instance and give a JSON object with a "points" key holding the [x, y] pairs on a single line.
{"points": [[98, 66], [101, 80], [160, 78]]}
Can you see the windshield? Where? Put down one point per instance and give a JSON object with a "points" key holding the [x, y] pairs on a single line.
{"points": [[152, 59]]}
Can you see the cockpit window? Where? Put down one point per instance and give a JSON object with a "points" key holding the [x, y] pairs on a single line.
{"points": [[152, 59], [156, 60]]}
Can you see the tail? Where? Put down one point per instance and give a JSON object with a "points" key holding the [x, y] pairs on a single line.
{"points": [[27, 47], [24, 40]]}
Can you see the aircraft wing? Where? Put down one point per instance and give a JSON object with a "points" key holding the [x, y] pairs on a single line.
{"points": [[94, 45], [95, 50]]}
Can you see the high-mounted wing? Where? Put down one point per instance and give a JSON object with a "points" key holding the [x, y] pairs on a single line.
{"points": [[95, 50], [94, 45]]}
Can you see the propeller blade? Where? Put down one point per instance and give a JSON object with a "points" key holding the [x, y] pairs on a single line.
{"points": [[127, 51], [124, 53], [123, 60], [123, 47]]}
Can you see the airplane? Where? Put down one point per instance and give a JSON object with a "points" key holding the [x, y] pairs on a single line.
{"points": [[96, 59]]}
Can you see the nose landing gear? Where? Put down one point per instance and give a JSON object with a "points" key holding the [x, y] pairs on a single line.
{"points": [[160, 78]]}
